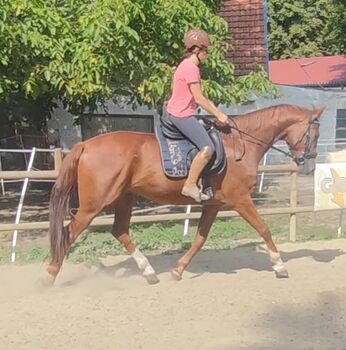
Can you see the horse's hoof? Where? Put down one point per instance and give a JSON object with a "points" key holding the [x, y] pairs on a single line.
{"points": [[44, 283], [281, 274], [176, 275], [152, 278]]}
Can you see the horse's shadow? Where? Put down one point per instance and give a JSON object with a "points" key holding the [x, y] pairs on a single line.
{"points": [[219, 261]]}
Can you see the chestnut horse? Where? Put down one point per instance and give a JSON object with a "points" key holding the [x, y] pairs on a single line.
{"points": [[113, 168]]}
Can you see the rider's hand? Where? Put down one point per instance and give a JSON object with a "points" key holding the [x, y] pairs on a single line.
{"points": [[222, 118]]}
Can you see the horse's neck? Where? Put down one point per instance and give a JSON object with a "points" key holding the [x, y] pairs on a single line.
{"points": [[263, 132]]}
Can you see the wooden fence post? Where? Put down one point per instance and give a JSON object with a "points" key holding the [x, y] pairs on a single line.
{"points": [[293, 204], [57, 159]]}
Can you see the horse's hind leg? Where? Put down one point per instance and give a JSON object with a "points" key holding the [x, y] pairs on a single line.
{"points": [[121, 228], [77, 225], [248, 211]]}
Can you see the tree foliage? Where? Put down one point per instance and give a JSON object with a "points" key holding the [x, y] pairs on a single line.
{"points": [[85, 51], [303, 28]]}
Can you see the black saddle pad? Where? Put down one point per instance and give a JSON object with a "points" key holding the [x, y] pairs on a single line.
{"points": [[177, 152]]}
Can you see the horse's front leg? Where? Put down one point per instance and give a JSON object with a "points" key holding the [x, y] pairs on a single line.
{"points": [[121, 228], [248, 211], [209, 213]]}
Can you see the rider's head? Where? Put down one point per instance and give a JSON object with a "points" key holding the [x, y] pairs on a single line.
{"points": [[196, 41]]}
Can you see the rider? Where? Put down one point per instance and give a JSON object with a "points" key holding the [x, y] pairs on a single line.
{"points": [[181, 107]]}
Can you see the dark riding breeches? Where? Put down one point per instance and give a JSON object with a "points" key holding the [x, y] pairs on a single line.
{"points": [[192, 129]]}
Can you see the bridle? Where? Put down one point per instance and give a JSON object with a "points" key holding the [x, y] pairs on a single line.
{"points": [[306, 154]]}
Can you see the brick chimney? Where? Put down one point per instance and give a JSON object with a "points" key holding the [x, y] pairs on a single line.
{"points": [[247, 25]]}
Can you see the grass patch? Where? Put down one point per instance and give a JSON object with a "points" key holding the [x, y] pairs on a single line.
{"points": [[316, 233], [25, 255], [167, 237]]}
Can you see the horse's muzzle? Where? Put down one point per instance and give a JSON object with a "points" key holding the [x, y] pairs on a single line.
{"points": [[306, 167]]}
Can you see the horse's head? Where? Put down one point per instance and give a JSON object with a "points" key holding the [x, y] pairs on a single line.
{"points": [[302, 137]]}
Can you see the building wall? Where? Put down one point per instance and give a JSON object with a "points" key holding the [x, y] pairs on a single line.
{"points": [[61, 128], [62, 125]]}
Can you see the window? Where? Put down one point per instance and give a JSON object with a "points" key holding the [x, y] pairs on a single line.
{"points": [[340, 128]]}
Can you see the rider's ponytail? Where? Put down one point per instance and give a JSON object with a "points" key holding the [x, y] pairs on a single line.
{"points": [[187, 53]]}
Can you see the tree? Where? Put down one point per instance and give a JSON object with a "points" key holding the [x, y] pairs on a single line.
{"points": [[305, 28], [86, 51], [336, 28]]}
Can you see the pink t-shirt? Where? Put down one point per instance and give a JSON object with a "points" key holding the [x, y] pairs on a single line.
{"points": [[182, 103]]}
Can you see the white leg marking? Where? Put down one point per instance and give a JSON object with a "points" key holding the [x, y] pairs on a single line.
{"points": [[142, 263], [276, 260]]}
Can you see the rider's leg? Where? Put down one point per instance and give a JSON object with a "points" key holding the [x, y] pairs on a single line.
{"points": [[190, 188], [195, 132]]}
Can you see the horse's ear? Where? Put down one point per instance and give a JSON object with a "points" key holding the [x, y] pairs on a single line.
{"points": [[317, 112]]}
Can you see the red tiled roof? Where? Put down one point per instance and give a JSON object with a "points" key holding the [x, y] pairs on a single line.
{"points": [[313, 71]]}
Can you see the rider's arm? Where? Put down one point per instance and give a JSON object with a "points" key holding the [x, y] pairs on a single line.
{"points": [[207, 105]]}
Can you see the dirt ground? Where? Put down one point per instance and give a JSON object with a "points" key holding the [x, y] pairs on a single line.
{"points": [[228, 299]]}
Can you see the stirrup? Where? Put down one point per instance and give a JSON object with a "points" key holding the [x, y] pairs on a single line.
{"points": [[194, 192]]}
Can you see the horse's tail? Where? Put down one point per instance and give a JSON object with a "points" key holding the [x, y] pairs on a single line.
{"points": [[59, 204]]}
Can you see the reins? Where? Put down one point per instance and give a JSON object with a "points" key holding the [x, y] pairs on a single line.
{"points": [[259, 140], [288, 154]]}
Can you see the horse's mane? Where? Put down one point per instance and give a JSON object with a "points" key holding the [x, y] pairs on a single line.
{"points": [[269, 115]]}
